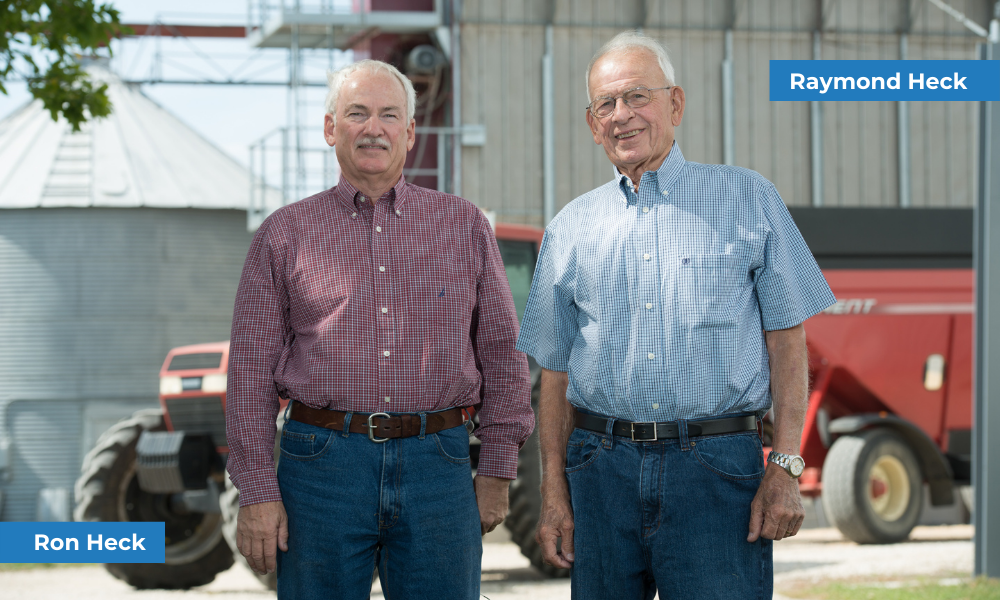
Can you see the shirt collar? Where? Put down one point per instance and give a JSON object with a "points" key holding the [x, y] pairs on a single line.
{"points": [[347, 192], [662, 179]]}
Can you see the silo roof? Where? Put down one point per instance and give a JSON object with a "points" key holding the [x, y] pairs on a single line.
{"points": [[141, 155]]}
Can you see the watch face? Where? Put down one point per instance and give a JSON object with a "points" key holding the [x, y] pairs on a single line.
{"points": [[796, 466]]}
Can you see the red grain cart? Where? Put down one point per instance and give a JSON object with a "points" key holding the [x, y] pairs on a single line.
{"points": [[890, 366]]}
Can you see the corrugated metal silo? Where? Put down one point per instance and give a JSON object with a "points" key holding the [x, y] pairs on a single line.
{"points": [[117, 243]]}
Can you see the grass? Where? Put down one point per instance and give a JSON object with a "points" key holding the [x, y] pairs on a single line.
{"points": [[975, 589]]}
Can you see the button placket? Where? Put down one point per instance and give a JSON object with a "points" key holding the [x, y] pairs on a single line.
{"points": [[647, 277], [385, 337]]}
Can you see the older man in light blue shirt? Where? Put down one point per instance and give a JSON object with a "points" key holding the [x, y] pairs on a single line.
{"points": [[666, 312]]}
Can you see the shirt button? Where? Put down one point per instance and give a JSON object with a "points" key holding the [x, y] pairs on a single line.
{"points": [[385, 310], [655, 405], [651, 356], [354, 215], [649, 305], [645, 209], [398, 213], [362, 198], [387, 398], [382, 269], [379, 229], [645, 257], [666, 193], [386, 353]]}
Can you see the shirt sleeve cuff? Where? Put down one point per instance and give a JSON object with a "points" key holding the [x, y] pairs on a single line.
{"points": [[498, 460], [258, 486]]}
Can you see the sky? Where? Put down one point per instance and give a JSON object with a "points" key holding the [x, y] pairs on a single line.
{"points": [[231, 116]]}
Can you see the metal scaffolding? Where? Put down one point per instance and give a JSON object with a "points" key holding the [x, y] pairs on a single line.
{"points": [[307, 165]]}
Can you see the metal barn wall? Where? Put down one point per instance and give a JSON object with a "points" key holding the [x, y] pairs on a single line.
{"points": [[92, 299], [503, 41]]}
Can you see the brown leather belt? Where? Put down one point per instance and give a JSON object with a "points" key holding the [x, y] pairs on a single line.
{"points": [[380, 427]]}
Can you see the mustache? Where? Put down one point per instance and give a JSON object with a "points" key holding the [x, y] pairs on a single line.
{"points": [[373, 141]]}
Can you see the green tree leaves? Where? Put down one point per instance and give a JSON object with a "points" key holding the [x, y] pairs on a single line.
{"points": [[42, 42]]}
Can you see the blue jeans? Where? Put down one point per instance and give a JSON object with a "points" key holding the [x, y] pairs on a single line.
{"points": [[406, 505], [669, 517]]}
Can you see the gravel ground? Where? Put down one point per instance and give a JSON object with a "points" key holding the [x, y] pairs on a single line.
{"points": [[812, 556]]}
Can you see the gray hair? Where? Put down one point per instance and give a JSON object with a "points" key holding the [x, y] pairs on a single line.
{"points": [[335, 80], [633, 40]]}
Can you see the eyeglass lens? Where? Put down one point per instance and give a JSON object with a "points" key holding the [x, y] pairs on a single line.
{"points": [[635, 98]]}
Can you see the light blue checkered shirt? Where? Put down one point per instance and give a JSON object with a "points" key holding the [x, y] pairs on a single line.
{"points": [[655, 303]]}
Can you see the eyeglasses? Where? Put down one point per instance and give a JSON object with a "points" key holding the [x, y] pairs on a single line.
{"points": [[634, 98]]}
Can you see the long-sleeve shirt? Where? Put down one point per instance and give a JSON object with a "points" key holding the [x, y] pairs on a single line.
{"points": [[396, 305], [655, 300]]}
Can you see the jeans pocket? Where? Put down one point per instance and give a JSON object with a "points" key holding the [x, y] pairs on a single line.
{"points": [[304, 442], [453, 444], [582, 450], [737, 457]]}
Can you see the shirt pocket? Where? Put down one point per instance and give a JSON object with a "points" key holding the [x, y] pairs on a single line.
{"points": [[448, 306], [709, 289]]}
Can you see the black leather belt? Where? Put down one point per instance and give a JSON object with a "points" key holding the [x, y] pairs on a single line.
{"points": [[651, 432]]}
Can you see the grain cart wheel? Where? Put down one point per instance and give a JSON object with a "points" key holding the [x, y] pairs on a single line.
{"points": [[108, 490], [230, 504], [526, 500], [872, 487]]}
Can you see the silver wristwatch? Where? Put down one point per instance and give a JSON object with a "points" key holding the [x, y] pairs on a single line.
{"points": [[789, 462]]}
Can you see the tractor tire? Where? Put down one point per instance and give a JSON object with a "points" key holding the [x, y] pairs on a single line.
{"points": [[526, 500], [108, 490], [872, 487], [230, 504]]}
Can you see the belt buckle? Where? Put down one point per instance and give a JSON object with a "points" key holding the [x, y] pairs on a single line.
{"points": [[371, 428], [655, 438]]}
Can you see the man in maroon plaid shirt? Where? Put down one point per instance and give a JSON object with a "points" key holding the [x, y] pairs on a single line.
{"points": [[381, 310]]}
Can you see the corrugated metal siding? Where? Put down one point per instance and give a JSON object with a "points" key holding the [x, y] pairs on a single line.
{"points": [[45, 453], [91, 301], [503, 43]]}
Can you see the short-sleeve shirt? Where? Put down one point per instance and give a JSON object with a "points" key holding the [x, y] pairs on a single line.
{"points": [[655, 302]]}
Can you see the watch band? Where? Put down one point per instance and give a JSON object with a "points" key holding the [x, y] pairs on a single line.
{"points": [[785, 461]]}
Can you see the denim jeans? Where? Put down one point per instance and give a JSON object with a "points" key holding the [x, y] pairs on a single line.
{"points": [[407, 505], [670, 516]]}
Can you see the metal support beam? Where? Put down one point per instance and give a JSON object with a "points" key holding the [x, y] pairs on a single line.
{"points": [[728, 104], [548, 130], [189, 31], [959, 16], [986, 418], [903, 137], [816, 133], [456, 94]]}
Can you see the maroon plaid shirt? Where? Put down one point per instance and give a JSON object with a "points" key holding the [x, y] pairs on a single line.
{"points": [[400, 305]]}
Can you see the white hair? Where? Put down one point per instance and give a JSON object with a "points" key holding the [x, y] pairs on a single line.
{"points": [[335, 80], [633, 40]]}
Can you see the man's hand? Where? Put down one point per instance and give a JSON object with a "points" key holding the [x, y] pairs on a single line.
{"points": [[556, 522], [776, 511], [260, 530], [491, 496]]}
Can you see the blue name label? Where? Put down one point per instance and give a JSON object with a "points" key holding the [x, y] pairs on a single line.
{"points": [[81, 542], [957, 80]]}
